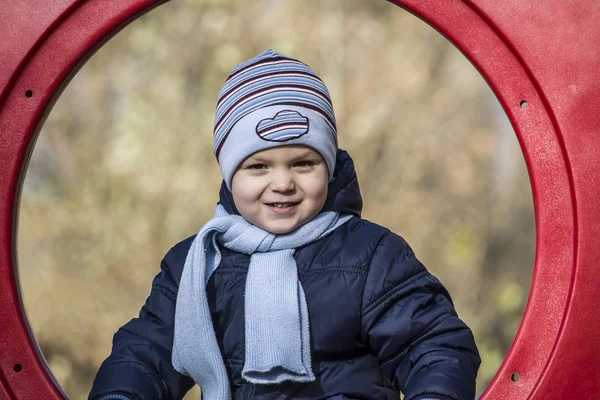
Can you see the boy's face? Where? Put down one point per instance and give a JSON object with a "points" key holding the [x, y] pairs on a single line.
{"points": [[281, 188]]}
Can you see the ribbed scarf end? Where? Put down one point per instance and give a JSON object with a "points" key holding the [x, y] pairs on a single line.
{"points": [[276, 375]]}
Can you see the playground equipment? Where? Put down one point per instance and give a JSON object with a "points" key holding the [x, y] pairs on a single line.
{"points": [[541, 59]]}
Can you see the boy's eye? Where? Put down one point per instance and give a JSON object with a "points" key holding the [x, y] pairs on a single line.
{"points": [[256, 166], [304, 163]]}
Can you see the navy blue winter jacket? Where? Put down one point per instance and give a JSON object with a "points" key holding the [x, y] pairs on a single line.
{"points": [[379, 322]]}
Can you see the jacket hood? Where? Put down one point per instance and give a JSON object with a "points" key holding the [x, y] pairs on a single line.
{"points": [[343, 194]]}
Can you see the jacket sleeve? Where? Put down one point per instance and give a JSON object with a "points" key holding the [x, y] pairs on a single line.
{"points": [[139, 366], [409, 322]]}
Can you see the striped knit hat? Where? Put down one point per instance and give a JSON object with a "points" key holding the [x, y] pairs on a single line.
{"points": [[268, 101]]}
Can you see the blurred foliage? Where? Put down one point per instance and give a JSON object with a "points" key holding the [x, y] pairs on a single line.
{"points": [[123, 168]]}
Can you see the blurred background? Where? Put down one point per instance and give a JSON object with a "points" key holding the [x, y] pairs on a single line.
{"points": [[123, 167]]}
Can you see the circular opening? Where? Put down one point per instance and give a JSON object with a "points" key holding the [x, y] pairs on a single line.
{"points": [[524, 104], [127, 149], [515, 377], [18, 367], [29, 93]]}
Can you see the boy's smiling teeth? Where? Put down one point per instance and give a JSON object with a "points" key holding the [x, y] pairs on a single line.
{"points": [[282, 205]]}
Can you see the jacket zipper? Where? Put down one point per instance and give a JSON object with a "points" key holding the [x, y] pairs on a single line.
{"points": [[249, 392]]}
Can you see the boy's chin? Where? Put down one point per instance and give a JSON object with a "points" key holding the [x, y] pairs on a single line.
{"points": [[280, 227]]}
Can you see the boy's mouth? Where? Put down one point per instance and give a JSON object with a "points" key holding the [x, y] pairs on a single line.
{"points": [[283, 205]]}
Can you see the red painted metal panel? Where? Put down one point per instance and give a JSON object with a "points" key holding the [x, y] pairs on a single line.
{"points": [[56, 38], [559, 42], [544, 53], [24, 26]]}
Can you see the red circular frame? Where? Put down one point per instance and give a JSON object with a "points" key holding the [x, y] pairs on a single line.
{"points": [[545, 53]]}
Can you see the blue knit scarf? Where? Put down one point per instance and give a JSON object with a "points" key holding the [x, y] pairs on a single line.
{"points": [[276, 314]]}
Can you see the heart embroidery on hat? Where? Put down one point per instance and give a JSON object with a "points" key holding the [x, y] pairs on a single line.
{"points": [[285, 125]]}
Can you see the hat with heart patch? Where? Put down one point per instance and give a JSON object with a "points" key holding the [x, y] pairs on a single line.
{"points": [[268, 101]]}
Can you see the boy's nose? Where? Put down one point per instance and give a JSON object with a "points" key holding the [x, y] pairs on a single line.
{"points": [[282, 181]]}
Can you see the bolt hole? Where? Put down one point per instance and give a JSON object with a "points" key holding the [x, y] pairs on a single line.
{"points": [[524, 104], [18, 368], [515, 377], [29, 93]]}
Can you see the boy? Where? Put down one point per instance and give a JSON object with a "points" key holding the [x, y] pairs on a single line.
{"points": [[287, 292]]}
